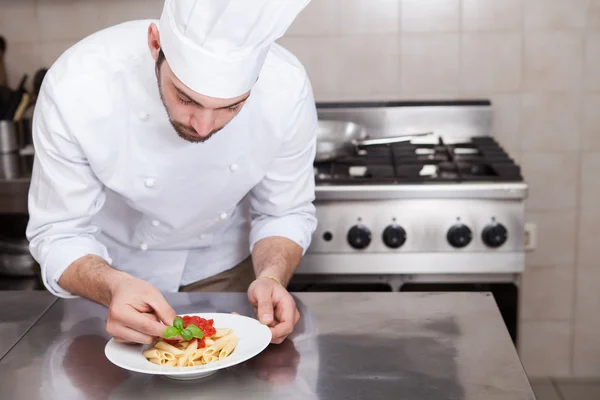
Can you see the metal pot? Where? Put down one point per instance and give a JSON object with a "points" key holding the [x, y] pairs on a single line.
{"points": [[9, 137], [343, 138]]}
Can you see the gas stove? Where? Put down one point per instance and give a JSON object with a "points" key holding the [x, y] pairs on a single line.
{"points": [[480, 159], [442, 206]]}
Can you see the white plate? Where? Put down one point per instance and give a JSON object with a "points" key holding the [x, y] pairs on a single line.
{"points": [[254, 337]]}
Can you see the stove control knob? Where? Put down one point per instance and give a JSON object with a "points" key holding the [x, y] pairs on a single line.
{"points": [[359, 237], [494, 235], [459, 235], [394, 236]]}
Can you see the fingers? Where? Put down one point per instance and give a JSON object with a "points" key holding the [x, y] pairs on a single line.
{"points": [[162, 309], [287, 315], [261, 294], [123, 334], [153, 317], [128, 317]]}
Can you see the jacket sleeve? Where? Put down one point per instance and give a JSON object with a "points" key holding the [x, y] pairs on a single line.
{"points": [[64, 194], [282, 203]]}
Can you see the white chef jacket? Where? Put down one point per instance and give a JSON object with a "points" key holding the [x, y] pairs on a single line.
{"points": [[112, 178]]}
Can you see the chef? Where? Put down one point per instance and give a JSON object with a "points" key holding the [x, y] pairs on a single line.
{"points": [[176, 155]]}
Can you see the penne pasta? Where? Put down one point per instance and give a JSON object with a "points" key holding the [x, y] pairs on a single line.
{"points": [[167, 347], [221, 332], [152, 353], [196, 354], [210, 358], [217, 344], [166, 355], [182, 361], [228, 348]]}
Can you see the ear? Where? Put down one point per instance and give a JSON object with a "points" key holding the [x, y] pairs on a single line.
{"points": [[154, 40]]}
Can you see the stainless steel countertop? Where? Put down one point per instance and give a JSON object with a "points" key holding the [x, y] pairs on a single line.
{"points": [[18, 312], [347, 346]]}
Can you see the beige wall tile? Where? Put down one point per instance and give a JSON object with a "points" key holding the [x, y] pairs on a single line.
{"points": [[507, 121], [373, 16], [24, 58], [18, 22], [490, 62], [116, 12], [555, 14], [552, 179], [556, 239], [547, 293], [588, 239], [586, 352], [551, 122], [553, 61], [591, 62], [429, 63], [590, 184], [588, 296], [370, 66], [590, 138], [545, 348], [321, 59], [61, 20], [492, 15], [52, 50], [593, 17], [430, 15], [320, 17]]}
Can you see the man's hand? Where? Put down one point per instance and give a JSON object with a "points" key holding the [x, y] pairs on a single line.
{"points": [[135, 311], [275, 307], [135, 307]]}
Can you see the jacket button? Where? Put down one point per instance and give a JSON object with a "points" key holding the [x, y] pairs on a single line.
{"points": [[234, 167], [143, 246], [223, 216], [150, 182]]}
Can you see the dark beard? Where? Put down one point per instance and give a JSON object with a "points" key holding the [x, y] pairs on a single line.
{"points": [[183, 131]]}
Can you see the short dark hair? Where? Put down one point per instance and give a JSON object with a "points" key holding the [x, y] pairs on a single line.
{"points": [[161, 57]]}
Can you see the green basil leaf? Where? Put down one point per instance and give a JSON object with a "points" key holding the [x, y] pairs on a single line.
{"points": [[178, 323], [170, 332], [186, 334], [196, 332]]}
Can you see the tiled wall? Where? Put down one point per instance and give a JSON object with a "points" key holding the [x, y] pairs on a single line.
{"points": [[538, 60]]}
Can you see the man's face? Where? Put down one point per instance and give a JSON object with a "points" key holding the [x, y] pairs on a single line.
{"points": [[194, 117]]}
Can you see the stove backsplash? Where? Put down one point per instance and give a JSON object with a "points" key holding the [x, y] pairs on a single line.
{"points": [[447, 119]]}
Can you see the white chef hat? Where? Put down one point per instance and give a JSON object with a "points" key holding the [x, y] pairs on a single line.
{"points": [[217, 47]]}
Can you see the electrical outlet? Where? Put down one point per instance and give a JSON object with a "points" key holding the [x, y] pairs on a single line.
{"points": [[530, 236]]}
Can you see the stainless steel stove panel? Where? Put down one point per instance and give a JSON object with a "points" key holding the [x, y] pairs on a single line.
{"points": [[425, 221], [451, 264]]}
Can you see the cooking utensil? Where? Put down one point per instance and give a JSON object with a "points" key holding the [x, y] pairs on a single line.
{"points": [[9, 138], [343, 138], [22, 107], [2, 69], [15, 99]]}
